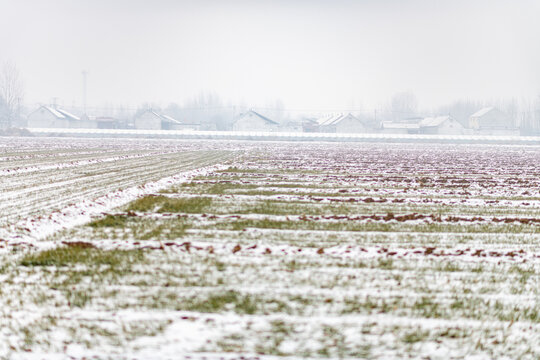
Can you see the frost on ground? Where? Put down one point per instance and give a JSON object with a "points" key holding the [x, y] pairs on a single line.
{"points": [[45, 182], [293, 250]]}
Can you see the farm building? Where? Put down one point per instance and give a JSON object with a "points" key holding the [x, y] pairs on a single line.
{"points": [[106, 122], [152, 120], [290, 126], [54, 117], [253, 121], [389, 127], [492, 121], [342, 123], [102, 122], [310, 124], [440, 125]]}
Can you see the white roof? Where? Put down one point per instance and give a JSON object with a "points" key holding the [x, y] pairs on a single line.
{"points": [[67, 114], [54, 112], [434, 121], [334, 119], [169, 119], [60, 113], [329, 120], [254, 113], [165, 118], [482, 112], [324, 119]]}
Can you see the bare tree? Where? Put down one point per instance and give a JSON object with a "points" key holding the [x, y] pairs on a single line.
{"points": [[11, 91], [461, 110], [207, 109], [403, 105], [536, 117]]}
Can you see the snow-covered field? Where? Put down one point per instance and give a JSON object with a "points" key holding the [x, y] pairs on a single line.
{"points": [[246, 250], [40, 177]]}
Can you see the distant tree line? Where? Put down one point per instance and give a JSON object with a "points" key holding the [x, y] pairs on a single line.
{"points": [[526, 115], [11, 95], [212, 113]]}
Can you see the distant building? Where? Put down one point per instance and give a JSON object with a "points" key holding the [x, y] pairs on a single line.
{"points": [[492, 121], [152, 120], [54, 117], [106, 122], [440, 125], [291, 126], [102, 122], [310, 124], [253, 121], [343, 123], [389, 127]]}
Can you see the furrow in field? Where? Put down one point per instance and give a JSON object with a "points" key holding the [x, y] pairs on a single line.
{"points": [[47, 179], [292, 250], [127, 176]]}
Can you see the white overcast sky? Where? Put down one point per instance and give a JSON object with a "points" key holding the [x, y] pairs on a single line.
{"points": [[309, 54]]}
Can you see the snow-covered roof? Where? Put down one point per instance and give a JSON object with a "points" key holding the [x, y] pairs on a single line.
{"points": [[483, 111], [67, 114], [396, 125], [335, 119], [434, 121], [169, 119], [330, 119], [267, 120], [54, 112], [59, 113], [163, 117]]}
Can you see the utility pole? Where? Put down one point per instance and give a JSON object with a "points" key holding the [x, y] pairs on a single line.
{"points": [[84, 74]]}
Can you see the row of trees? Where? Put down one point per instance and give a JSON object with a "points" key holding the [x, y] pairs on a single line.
{"points": [[11, 95], [525, 113], [209, 110]]}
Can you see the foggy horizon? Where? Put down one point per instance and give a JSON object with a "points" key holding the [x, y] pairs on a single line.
{"points": [[309, 55], [269, 179]]}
